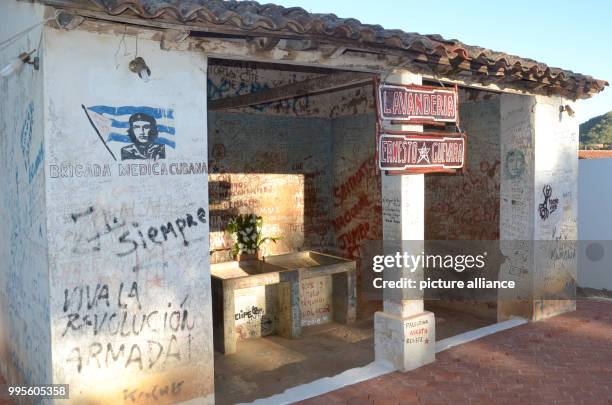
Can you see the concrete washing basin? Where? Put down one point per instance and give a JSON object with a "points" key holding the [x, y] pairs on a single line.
{"points": [[280, 295]]}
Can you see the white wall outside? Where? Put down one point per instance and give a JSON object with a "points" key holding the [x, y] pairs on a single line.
{"points": [[594, 225], [25, 341], [100, 217]]}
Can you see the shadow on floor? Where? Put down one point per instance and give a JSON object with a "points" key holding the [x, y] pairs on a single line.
{"points": [[267, 366]]}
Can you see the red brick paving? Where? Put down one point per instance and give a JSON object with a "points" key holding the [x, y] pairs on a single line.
{"points": [[562, 360], [566, 359], [4, 401]]}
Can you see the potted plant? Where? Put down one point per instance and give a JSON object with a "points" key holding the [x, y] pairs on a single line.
{"points": [[246, 235]]}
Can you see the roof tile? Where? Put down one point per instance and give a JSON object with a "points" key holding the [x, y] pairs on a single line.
{"points": [[250, 17]]}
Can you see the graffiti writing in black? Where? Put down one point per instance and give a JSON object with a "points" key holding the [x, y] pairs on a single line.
{"points": [[549, 205], [154, 393], [253, 313], [102, 311], [130, 236], [142, 356]]}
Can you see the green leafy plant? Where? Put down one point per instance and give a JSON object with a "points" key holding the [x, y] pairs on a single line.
{"points": [[246, 234]]}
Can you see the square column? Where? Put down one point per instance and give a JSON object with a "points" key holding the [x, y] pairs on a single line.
{"points": [[127, 220], [404, 332], [538, 227]]}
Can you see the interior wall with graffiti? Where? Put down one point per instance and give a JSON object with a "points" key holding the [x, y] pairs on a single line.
{"points": [[234, 78], [25, 339], [357, 210], [273, 166], [466, 205], [303, 164]]}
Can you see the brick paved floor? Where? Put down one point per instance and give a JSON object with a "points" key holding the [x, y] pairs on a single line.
{"points": [[4, 401], [563, 360], [566, 359]]}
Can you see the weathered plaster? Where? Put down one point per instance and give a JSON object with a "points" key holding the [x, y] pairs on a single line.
{"points": [[465, 205], [357, 212], [404, 334], [233, 78], [130, 312], [25, 335], [273, 166], [538, 205]]}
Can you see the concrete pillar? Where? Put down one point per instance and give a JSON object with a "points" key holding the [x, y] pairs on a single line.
{"points": [[25, 335], [129, 289], [539, 145], [404, 332]]}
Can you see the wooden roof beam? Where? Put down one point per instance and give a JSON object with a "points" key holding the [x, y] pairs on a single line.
{"points": [[314, 85]]}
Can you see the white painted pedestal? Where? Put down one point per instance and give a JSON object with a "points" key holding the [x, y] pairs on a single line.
{"points": [[406, 343]]}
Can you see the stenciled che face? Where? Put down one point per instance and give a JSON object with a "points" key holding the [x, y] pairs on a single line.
{"points": [[143, 133], [141, 130]]}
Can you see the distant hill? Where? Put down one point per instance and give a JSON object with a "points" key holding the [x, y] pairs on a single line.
{"points": [[596, 131]]}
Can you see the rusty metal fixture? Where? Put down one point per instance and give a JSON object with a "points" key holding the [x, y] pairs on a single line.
{"points": [[18, 63], [566, 108], [139, 66], [26, 57]]}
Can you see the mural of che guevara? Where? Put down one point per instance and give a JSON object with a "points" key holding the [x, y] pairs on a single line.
{"points": [[143, 133]]}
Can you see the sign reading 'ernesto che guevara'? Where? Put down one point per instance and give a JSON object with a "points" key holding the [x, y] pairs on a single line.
{"points": [[420, 104], [423, 151]]}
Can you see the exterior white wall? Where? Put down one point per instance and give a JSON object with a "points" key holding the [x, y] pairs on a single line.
{"points": [[556, 166], [539, 145], [25, 336], [516, 188], [595, 195], [595, 228], [130, 308], [556, 171]]}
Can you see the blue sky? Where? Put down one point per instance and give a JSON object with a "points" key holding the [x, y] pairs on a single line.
{"points": [[574, 35]]}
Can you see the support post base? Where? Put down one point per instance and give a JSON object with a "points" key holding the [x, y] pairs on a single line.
{"points": [[406, 343]]}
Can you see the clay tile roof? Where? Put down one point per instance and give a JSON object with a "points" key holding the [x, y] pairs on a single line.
{"points": [[595, 154], [445, 57]]}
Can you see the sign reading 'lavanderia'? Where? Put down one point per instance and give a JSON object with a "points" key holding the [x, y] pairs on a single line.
{"points": [[418, 104]]}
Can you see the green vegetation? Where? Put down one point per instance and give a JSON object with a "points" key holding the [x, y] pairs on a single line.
{"points": [[596, 133]]}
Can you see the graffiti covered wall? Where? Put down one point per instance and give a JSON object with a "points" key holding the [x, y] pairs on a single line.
{"points": [[538, 205], [305, 164], [356, 214], [25, 341], [234, 78], [128, 220], [556, 205], [466, 205], [274, 166]]}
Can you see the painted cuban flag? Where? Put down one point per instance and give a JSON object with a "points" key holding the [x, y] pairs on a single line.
{"points": [[113, 122]]}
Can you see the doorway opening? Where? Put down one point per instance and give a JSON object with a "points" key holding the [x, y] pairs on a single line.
{"points": [[466, 206], [295, 146]]}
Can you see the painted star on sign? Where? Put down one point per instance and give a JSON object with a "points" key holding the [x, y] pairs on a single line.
{"points": [[424, 154]]}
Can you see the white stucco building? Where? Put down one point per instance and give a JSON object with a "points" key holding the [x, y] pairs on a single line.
{"points": [[105, 252]]}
